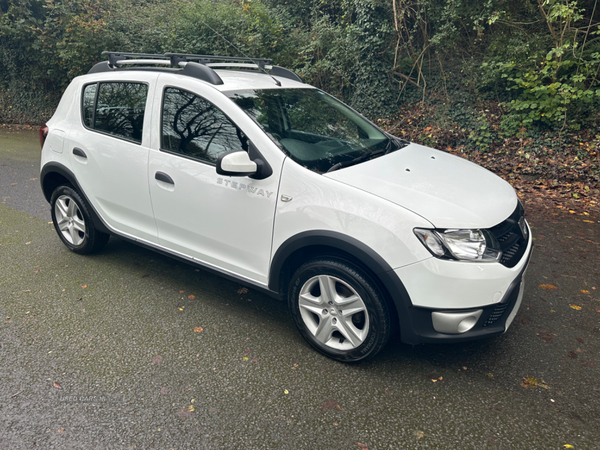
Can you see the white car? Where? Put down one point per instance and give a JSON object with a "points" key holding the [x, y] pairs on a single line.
{"points": [[235, 165]]}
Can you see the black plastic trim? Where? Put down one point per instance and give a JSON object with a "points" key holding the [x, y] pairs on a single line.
{"points": [[161, 176], [199, 264], [191, 69], [78, 152], [282, 72], [54, 167], [202, 72], [264, 169], [362, 253]]}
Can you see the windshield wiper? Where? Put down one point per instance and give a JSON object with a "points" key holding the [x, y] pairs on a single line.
{"points": [[388, 148]]}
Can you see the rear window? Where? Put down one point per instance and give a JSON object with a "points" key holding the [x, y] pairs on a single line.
{"points": [[115, 108]]}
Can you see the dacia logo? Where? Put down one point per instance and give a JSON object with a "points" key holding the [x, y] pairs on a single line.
{"points": [[244, 187]]}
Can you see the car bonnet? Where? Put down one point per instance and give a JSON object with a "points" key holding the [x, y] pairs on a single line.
{"points": [[448, 191]]}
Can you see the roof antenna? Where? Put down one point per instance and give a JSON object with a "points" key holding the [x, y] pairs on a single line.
{"points": [[246, 56]]}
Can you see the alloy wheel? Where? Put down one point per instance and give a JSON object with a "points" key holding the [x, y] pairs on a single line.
{"points": [[69, 220], [333, 312]]}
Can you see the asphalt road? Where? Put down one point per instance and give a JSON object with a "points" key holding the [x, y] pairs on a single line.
{"points": [[130, 349]]}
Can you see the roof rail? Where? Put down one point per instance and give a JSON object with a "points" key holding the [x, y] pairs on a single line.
{"points": [[197, 66]]}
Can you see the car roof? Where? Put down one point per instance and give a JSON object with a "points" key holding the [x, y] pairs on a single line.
{"points": [[237, 80]]}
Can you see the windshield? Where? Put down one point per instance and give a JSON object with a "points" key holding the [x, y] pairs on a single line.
{"points": [[314, 129]]}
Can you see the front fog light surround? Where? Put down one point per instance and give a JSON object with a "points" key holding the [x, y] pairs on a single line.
{"points": [[461, 244]]}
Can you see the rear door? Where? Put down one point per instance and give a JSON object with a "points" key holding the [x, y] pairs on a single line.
{"points": [[109, 153]]}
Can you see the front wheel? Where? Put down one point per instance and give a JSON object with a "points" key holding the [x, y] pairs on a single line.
{"points": [[73, 223], [339, 310]]}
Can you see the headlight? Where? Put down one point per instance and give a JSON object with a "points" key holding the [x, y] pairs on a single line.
{"points": [[461, 245]]}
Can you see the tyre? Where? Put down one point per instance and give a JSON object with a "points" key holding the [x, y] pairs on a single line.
{"points": [[339, 310], [73, 222]]}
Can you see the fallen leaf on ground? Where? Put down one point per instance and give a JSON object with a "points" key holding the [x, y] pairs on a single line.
{"points": [[84, 286], [575, 307], [198, 329], [419, 434], [529, 382], [548, 287], [60, 430], [191, 297], [286, 391], [329, 404], [547, 336], [184, 413], [584, 291], [363, 446], [242, 291], [57, 385]]}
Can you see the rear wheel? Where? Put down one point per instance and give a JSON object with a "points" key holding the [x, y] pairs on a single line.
{"points": [[339, 310], [73, 222]]}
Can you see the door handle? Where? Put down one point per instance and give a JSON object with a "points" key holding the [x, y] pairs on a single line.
{"points": [[78, 152], [161, 176]]}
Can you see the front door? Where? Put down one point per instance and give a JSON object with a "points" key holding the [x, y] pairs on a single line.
{"points": [[224, 222]]}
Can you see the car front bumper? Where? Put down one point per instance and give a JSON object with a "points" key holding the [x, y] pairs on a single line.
{"points": [[424, 319]]}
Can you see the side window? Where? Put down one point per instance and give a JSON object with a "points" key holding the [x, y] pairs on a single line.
{"points": [[196, 128], [89, 98], [115, 108]]}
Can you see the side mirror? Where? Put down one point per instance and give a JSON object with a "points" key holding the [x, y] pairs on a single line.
{"points": [[236, 163], [244, 164]]}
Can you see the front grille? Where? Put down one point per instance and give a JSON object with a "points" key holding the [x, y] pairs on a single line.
{"points": [[495, 315], [509, 255], [511, 239]]}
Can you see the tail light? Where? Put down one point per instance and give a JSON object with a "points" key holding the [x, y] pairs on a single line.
{"points": [[43, 135]]}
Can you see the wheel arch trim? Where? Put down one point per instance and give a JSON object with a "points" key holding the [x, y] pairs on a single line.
{"points": [[360, 252], [48, 188]]}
